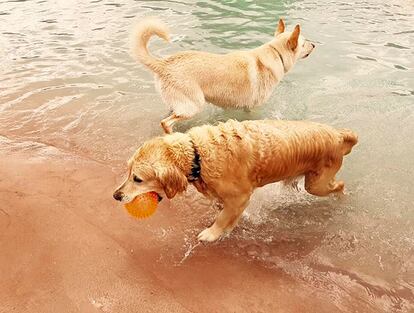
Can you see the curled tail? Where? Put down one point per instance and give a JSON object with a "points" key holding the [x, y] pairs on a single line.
{"points": [[349, 138], [144, 30]]}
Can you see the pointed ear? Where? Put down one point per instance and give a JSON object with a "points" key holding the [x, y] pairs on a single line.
{"points": [[294, 37], [280, 27], [172, 180]]}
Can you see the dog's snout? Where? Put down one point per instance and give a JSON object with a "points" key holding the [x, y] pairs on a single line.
{"points": [[118, 195]]}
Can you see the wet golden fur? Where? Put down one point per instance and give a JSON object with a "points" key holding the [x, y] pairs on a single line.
{"points": [[237, 158], [241, 79]]}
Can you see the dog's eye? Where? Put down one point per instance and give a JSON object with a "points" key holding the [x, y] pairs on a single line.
{"points": [[137, 179]]}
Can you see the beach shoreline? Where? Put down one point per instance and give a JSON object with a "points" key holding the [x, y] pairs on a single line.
{"points": [[63, 250]]}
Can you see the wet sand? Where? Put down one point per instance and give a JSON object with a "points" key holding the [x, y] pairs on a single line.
{"points": [[66, 246]]}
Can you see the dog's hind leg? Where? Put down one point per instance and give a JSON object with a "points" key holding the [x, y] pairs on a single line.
{"points": [[226, 219], [184, 101], [322, 182], [182, 109], [169, 121]]}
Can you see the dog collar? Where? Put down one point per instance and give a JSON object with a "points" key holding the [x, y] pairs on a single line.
{"points": [[280, 57], [195, 166]]}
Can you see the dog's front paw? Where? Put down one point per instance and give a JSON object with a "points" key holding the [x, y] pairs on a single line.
{"points": [[210, 234], [167, 129]]}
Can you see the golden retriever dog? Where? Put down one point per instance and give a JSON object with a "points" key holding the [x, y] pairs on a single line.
{"points": [[241, 79], [229, 161]]}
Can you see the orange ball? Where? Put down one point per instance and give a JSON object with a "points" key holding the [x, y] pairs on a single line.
{"points": [[144, 205]]}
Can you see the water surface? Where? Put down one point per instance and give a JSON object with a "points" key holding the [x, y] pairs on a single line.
{"points": [[67, 80]]}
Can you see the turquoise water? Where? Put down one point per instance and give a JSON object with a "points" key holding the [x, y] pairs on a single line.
{"points": [[67, 80]]}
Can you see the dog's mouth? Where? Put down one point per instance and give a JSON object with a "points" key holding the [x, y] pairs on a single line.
{"points": [[158, 196]]}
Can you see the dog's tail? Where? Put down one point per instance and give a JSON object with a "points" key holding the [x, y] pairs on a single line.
{"points": [[349, 139], [144, 30]]}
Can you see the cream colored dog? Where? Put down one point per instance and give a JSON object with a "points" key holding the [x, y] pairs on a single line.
{"points": [[241, 79], [229, 161]]}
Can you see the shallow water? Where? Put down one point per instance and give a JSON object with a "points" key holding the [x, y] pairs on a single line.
{"points": [[68, 81]]}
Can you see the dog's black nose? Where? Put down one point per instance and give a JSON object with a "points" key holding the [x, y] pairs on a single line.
{"points": [[118, 195], [313, 45]]}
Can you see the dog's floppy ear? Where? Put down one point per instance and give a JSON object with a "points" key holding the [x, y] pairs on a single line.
{"points": [[280, 27], [172, 180], [294, 37]]}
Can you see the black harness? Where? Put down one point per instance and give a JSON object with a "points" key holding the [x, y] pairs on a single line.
{"points": [[195, 167]]}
